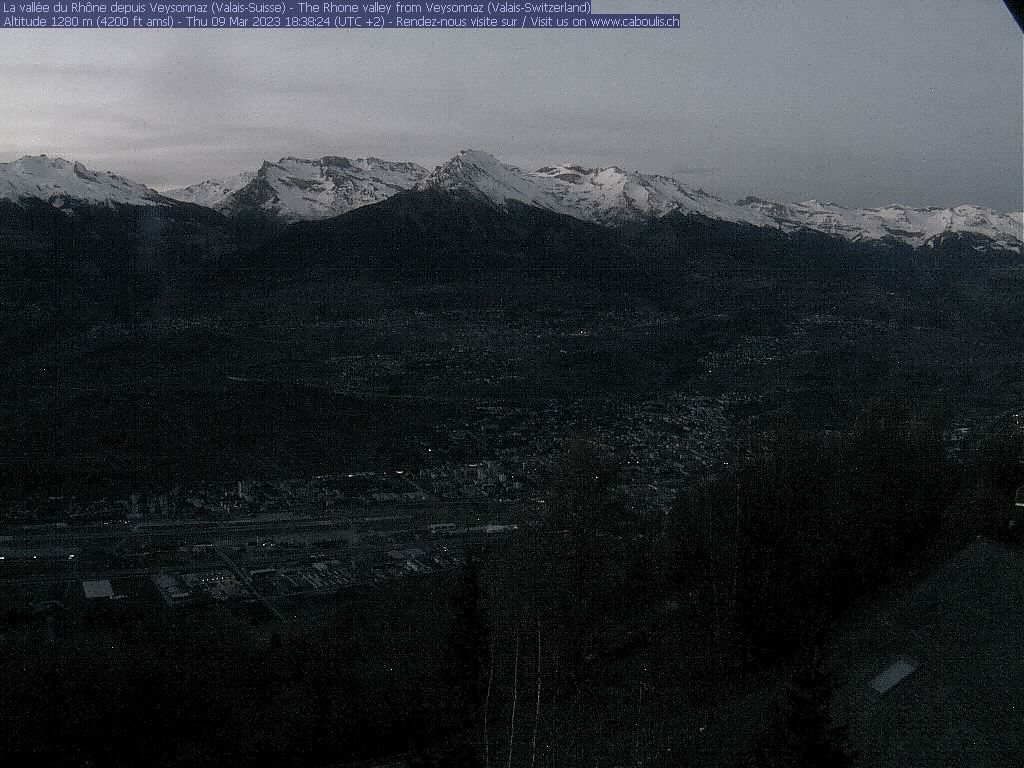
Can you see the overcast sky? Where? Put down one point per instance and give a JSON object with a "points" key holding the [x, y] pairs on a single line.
{"points": [[862, 103]]}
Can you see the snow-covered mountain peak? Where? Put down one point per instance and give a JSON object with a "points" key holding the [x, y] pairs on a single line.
{"points": [[469, 165], [915, 226], [212, 192], [484, 177], [295, 188], [606, 195], [59, 182], [480, 159], [611, 195]]}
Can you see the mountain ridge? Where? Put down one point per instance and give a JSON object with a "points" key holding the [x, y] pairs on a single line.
{"points": [[60, 182], [294, 189]]}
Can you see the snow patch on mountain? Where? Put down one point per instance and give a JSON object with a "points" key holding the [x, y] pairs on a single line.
{"points": [[294, 189], [482, 176], [600, 196], [613, 196], [59, 182], [915, 226], [212, 192]]}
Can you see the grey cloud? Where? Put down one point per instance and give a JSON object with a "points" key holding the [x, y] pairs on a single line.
{"points": [[917, 101]]}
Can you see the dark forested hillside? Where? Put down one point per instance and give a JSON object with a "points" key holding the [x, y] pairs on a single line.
{"points": [[141, 333]]}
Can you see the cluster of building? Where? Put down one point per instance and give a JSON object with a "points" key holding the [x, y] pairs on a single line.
{"points": [[208, 586], [484, 479], [296, 579]]}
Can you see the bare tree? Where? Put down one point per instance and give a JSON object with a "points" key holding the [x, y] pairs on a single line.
{"points": [[487, 708], [515, 693], [536, 713]]}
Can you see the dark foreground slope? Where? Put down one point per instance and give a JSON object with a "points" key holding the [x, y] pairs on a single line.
{"points": [[818, 382]]}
